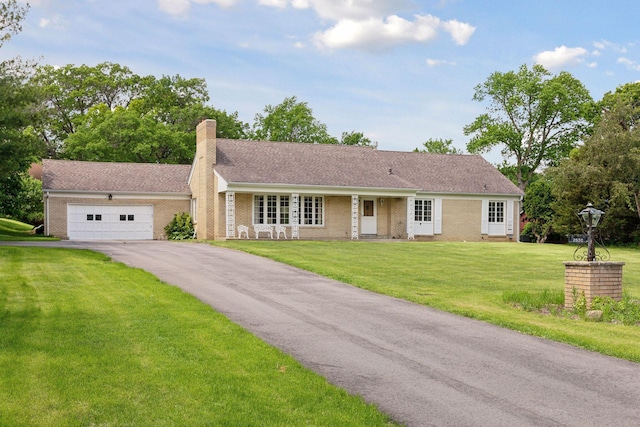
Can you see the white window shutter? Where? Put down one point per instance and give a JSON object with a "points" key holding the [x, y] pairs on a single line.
{"points": [[484, 229], [437, 216], [509, 216]]}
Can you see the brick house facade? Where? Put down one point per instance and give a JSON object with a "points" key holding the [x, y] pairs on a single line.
{"points": [[311, 191], [343, 192]]}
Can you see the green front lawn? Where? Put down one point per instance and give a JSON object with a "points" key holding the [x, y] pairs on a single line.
{"points": [[86, 341], [469, 279], [15, 231]]}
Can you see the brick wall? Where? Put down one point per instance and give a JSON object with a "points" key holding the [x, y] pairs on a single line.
{"points": [[461, 219], [595, 278]]}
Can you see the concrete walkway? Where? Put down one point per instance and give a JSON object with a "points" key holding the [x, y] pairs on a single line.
{"points": [[421, 366]]}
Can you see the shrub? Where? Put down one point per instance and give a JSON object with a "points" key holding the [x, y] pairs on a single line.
{"points": [[180, 227], [626, 311]]}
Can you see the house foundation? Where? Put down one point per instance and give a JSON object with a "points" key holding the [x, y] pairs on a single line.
{"points": [[592, 278]]}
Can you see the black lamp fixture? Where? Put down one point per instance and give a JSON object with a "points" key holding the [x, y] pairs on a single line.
{"points": [[591, 217], [110, 196]]}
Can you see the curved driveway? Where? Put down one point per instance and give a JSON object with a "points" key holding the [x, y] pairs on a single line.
{"points": [[421, 366]]}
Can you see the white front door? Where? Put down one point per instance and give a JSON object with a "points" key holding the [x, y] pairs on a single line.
{"points": [[368, 218]]}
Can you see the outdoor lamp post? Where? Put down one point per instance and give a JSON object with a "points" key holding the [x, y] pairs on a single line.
{"points": [[591, 217]]}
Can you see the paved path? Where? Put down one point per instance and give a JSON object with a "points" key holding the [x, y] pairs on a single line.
{"points": [[421, 366]]}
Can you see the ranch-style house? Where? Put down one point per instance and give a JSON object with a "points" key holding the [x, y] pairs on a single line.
{"points": [[249, 189]]}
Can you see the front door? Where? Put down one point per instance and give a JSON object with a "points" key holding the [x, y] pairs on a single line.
{"points": [[368, 219]]}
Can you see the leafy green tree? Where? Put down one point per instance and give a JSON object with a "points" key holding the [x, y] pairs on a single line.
{"points": [[18, 145], [538, 206], [126, 135], [108, 113], [627, 95], [69, 93], [11, 16], [21, 198], [290, 121], [606, 172], [536, 118], [438, 146], [356, 138]]}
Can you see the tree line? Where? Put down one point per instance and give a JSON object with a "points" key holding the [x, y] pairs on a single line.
{"points": [[562, 148]]}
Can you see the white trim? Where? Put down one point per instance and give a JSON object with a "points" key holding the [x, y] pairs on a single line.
{"points": [[437, 215], [484, 227], [118, 195], [194, 210], [46, 213], [223, 186], [354, 216], [318, 190], [191, 171], [294, 217], [230, 197], [509, 216], [410, 216]]}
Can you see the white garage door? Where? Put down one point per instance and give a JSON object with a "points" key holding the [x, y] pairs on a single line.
{"points": [[110, 222]]}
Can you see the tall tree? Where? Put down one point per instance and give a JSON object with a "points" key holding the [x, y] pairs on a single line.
{"points": [[11, 16], [19, 195], [538, 206], [107, 103], [290, 121], [438, 146], [69, 92], [18, 145], [606, 172], [536, 118]]}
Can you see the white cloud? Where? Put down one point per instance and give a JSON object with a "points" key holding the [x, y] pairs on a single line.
{"points": [[274, 3], [461, 32], [56, 22], [632, 65], [561, 56], [358, 24], [181, 8], [337, 10], [607, 45], [376, 34], [438, 62]]}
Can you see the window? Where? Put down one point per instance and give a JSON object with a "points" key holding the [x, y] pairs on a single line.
{"points": [[422, 210], [123, 217], [89, 217], [496, 212], [276, 209], [313, 210], [129, 217], [271, 209], [98, 217], [126, 217]]}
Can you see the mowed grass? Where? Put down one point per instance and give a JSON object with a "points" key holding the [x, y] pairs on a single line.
{"points": [[469, 279], [87, 341], [15, 230]]}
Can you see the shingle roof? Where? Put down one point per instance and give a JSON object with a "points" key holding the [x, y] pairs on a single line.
{"points": [[114, 177], [353, 166]]}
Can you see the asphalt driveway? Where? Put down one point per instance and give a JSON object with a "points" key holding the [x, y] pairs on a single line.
{"points": [[421, 366]]}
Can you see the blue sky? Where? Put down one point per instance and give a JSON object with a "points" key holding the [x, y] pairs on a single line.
{"points": [[400, 71]]}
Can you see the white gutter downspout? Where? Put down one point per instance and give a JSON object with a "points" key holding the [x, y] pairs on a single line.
{"points": [[46, 214]]}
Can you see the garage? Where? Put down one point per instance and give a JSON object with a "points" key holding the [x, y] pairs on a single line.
{"points": [[110, 222]]}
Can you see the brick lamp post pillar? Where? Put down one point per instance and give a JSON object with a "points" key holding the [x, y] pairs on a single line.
{"points": [[594, 276]]}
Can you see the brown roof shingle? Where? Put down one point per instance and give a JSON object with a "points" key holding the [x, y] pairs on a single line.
{"points": [[353, 166], [123, 177]]}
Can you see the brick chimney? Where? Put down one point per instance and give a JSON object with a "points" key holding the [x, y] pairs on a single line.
{"points": [[203, 184]]}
